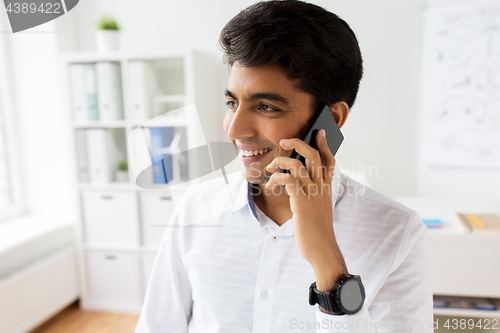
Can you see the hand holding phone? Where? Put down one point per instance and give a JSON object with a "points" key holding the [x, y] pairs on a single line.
{"points": [[322, 119]]}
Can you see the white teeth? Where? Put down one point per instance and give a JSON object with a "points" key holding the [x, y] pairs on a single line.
{"points": [[254, 152]]}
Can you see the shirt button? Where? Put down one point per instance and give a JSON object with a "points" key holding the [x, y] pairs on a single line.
{"points": [[275, 238], [264, 294]]}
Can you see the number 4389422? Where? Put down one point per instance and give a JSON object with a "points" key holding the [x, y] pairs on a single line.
{"points": [[463, 323], [24, 7]]}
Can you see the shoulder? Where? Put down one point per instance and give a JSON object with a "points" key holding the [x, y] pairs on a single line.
{"points": [[366, 201], [376, 215]]}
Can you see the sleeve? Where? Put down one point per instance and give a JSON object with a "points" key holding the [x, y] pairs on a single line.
{"points": [[167, 304], [404, 302]]}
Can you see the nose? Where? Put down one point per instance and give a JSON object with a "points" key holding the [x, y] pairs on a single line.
{"points": [[240, 123]]}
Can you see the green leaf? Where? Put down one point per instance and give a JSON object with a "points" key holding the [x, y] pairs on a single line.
{"points": [[107, 23], [122, 165]]}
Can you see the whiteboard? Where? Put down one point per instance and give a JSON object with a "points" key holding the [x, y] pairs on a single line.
{"points": [[461, 85]]}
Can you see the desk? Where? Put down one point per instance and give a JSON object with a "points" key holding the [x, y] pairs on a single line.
{"points": [[463, 263]]}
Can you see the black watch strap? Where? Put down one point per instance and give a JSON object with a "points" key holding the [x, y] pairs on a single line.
{"points": [[330, 300], [324, 299]]}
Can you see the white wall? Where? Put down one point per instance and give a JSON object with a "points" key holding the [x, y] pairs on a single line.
{"points": [[381, 133], [477, 183], [383, 129]]}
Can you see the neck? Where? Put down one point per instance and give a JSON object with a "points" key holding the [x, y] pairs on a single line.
{"points": [[275, 204]]}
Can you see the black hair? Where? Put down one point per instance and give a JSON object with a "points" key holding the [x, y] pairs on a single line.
{"points": [[314, 46]]}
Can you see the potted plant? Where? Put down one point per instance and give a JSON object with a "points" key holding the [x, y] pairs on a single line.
{"points": [[107, 34], [121, 174]]}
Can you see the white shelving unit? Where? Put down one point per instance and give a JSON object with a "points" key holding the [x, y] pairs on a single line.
{"points": [[464, 264], [116, 240]]}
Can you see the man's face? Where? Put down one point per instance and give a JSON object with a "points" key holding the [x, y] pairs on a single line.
{"points": [[264, 106]]}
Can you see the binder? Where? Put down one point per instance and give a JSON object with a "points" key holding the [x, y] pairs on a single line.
{"points": [[77, 76], [81, 155], [143, 88], [161, 137], [98, 151], [109, 91], [84, 94], [91, 92]]}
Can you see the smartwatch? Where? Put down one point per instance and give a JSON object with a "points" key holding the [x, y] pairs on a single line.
{"points": [[346, 297]]}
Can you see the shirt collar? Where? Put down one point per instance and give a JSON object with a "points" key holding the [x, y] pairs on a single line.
{"points": [[241, 198], [244, 194]]}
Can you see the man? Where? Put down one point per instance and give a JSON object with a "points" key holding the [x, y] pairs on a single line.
{"points": [[250, 267]]}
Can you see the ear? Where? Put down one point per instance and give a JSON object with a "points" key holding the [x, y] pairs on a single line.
{"points": [[340, 111]]}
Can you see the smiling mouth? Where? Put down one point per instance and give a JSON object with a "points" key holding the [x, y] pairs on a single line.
{"points": [[249, 153]]}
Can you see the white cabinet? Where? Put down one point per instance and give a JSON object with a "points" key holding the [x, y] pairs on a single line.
{"points": [[147, 264], [119, 96], [113, 279], [464, 264], [109, 218], [155, 212]]}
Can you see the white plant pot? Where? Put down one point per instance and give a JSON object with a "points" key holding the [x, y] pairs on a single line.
{"points": [[121, 176], [107, 40]]}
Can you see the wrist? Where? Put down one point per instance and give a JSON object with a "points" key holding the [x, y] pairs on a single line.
{"points": [[326, 280], [328, 273]]}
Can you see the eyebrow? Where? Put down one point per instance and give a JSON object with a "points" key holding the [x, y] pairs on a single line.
{"points": [[264, 95]]}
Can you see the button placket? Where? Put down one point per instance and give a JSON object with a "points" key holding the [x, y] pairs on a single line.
{"points": [[266, 284]]}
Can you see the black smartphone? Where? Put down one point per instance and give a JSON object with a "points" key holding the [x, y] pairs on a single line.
{"points": [[322, 119]]}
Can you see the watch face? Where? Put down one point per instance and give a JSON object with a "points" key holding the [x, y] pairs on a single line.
{"points": [[351, 296]]}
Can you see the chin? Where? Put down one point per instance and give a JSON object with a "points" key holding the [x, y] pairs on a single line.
{"points": [[255, 175]]}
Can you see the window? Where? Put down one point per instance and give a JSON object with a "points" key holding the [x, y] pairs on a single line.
{"points": [[10, 204], [10, 187], [6, 199]]}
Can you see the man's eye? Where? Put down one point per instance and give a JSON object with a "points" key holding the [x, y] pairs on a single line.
{"points": [[267, 108], [230, 104]]}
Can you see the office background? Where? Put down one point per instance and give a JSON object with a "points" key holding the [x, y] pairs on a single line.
{"points": [[383, 129], [382, 133]]}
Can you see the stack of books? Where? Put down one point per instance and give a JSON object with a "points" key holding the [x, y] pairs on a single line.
{"points": [[476, 303], [471, 222], [434, 223], [480, 222]]}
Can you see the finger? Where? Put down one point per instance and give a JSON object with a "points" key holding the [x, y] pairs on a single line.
{"points": [[295, 167], [311, 155], [294, 187], [328, 160]]}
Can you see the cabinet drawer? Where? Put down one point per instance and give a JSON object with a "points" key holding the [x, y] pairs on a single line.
{"points": [[457, 261], [147, 264], [113, 278], [109, 218], [155, 212]]}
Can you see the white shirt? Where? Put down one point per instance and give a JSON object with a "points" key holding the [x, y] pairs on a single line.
{"points": [[224, 266]]}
